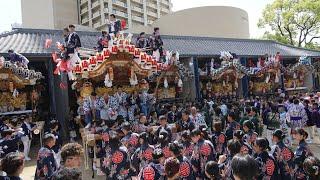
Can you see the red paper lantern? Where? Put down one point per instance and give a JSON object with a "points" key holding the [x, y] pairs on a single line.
{"points": [[77, 69], [159, 66], [93, 61], [121, 41], [121, 47], [99, 58], [85, 65], [106, 53], [131, 49], [114, 49], [143, 57]]}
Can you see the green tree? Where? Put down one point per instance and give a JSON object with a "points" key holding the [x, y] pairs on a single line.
{"points": [[294, 22]]}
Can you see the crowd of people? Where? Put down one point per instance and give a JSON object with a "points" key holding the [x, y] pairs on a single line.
{"points": [[136, 137]]}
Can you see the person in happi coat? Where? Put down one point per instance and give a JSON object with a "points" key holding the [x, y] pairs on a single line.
{"points": [[163, 143], [55, 130], [267, 164], [302, 152], [143, 154], [132, 101], [46, 163], [187, 144], [234, 148], [232, 125], [116, 163], [122, 99], [27, 127], [91, 108], [9, 142], [73, 42], [311, 167], [218, 138], [163, 127], [156, 43], [103, 41], [154, 170], [114, 25], [13, 164], [296, 115], [250, 135], [203, 151], [196, 117], [245, 147], [185, 168], [173, 114], [186, 123], [15, 57], [283, 155], [145, 102], [130, 139], [142, 42]]}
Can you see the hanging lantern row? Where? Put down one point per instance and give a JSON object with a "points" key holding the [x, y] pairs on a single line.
{"points": [[20, 71], [143, 60]]}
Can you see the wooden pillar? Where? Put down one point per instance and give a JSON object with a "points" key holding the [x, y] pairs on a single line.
{"points": [[52, 95]]}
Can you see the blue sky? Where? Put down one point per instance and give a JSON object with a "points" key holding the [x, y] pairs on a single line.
{"points": [[10, 10]]}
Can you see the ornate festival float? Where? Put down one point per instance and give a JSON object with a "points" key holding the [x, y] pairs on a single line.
{"points": [[298, 77], [16, 92], [227, 78], [265, 77]]}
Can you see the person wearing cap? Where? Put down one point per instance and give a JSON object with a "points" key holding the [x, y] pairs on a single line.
{"points": [[27, 127], [103, 41], [143, 154], [116, 162], [130, 139], [185, 167], [46, 163], [9, 143], [282, 155], [154, 170]]}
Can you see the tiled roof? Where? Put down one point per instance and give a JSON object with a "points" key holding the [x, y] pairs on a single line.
{"points": [[31, 42]]}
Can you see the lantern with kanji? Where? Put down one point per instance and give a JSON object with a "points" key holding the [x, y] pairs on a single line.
{"points": [[99, 58], [136, 52], [77, 69], [154, 66], [149, 61], [143, 58], [111, 73], [85, 65], [131, 49], [106, 53], [92, 62], [159, 66], [114, 49]]}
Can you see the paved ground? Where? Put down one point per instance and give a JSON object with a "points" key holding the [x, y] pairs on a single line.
{"points": [[28, 173]]}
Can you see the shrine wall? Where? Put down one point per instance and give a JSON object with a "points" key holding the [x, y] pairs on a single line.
{"points": [[209, 21]]}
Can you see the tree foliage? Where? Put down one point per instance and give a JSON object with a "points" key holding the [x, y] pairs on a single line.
{"points": [[294, 22]]}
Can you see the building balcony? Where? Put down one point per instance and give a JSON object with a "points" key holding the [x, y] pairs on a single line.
{"points": [[120, 3], [97, 24], [154, 6], [95, 4], [84, 10], [150, 22], [96, 15], [137, 18], [83, 2], [165, 2], [165, 10], [136, 9], [84, 20], [153, 14], [120, 13], [138, 1]]}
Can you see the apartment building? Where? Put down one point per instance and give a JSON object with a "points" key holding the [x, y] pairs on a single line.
{"points": [[93, 13]]}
